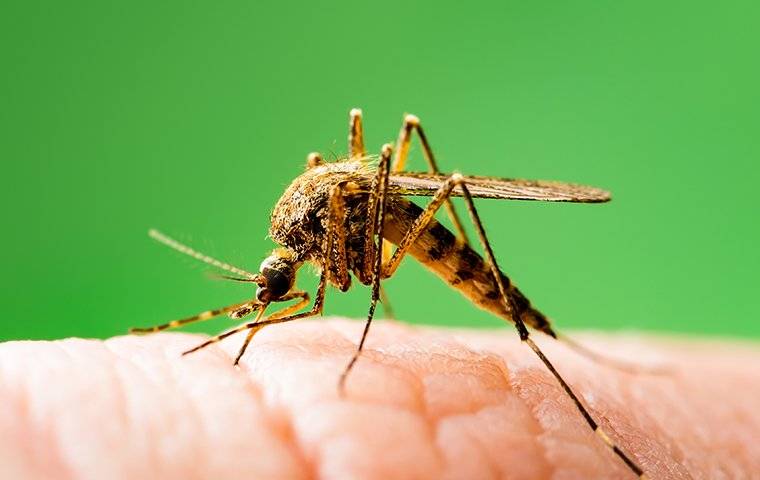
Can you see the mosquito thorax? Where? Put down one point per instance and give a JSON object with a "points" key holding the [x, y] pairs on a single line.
{"points": [[300, 217]]}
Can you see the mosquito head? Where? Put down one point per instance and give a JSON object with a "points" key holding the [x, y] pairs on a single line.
{"points": [[277, 275]]}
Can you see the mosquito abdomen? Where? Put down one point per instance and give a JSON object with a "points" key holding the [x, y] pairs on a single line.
{"points": [[440, 251]]}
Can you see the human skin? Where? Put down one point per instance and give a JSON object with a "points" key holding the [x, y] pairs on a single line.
{"points": [[422, 402]]}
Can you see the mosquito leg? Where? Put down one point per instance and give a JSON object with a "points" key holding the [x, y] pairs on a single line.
{"points": [[412, 123], [375, 201], [377, 219], [419, 226], [316, 309], [356, 135], [525, 336], [337, 222], [208, 314], [330, 238], [249, 337], [282, 313]]}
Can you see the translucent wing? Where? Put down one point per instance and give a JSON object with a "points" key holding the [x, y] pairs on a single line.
{"points": [[425, 184]]}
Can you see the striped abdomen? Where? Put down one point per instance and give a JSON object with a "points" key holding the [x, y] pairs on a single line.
{"points": [[458, 264]]}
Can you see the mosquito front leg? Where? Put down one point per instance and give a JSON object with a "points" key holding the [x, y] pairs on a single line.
{"points": [[282, 313], [240, 309], [331, 236], [337, 225], [316, 309]]}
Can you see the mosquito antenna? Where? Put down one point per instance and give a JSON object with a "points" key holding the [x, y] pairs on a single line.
{"points": [[182, 248], [218, 276]]}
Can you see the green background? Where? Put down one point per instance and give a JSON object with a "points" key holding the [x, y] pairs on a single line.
{"points": [[192, 117]]}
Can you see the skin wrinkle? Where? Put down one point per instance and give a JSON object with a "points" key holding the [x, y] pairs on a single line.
{"points": [[458, 356], [108, 345], [683, 464], [462, 354], [632, 389], [193, 405], [424, 413], [23, 401], [510, 376], [224, 358], [676, 425], [517, 377], [254, 390], [115, 390], [525, 370], [484, 451], [539, 430], [384, 360], [55, 450], [286, 422], [626, 422], [479, 357], [546, 413], [284, 412]]}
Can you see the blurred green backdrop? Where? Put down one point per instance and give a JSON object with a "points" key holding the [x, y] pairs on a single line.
{"points": [[192, 117]]}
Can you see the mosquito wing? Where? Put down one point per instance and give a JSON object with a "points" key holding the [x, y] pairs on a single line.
{"points": [[426, 184]]}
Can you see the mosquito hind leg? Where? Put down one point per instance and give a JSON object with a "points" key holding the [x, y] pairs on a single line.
{"points": [[525, 336], [508, 300]]}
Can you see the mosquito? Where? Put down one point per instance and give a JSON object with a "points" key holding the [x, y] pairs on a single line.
{"points": [[344, 217]]}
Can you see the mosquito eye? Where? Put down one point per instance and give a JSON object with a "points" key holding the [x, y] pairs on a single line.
{"points": [[277, 285]]}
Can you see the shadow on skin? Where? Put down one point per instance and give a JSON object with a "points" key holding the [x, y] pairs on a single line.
{"points": [[421, 403]]}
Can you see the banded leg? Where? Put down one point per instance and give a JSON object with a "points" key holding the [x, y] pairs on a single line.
{"points": [[377, 219], [356, 150], [286, 315], [412, 123], [416, 230], [375, 203], [237, 309], [337, 222]]}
